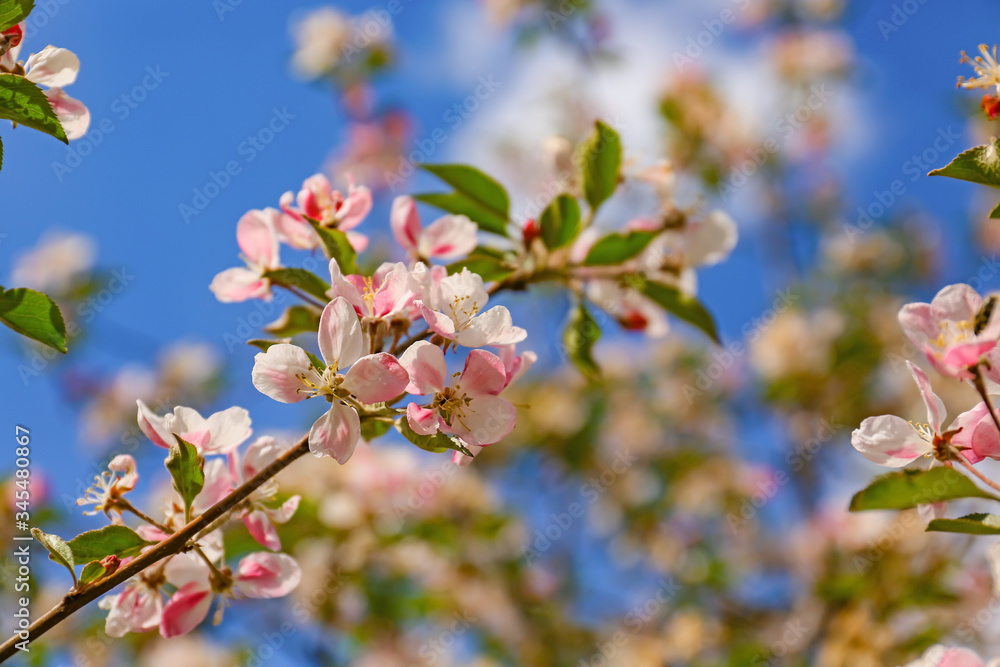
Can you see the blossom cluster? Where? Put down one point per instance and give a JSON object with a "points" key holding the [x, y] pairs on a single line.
{"points": [[352, 372], [52, 67], [957, 332], [175, 595]]}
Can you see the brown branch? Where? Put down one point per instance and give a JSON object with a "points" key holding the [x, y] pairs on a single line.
{"points": [[172, 545]]}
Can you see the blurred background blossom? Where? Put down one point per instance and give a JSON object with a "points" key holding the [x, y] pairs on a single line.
{"points": [[687, 509]]}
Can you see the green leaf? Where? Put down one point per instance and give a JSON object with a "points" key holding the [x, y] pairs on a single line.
{"points": [[994, 214], [457, 203], [308, 282], [92, 571], [113, 540], [600, 164], [437, 443], [295, 320], [487, 262], [560, 222], [581, 333], [971, 524], [374, 428], [680, 305], [187, 469], [34, 315], [475, 186], [908, 488], [338, 247], [977, 165], [476, 195], [13, 12], [59, 551], [24, 103], [616, 248]]}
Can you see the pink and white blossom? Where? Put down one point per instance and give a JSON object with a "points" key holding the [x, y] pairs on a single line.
{"points": [[52, 68], [258, 575], [448, 237], [285, 373], [943, 656], [220, 433], [454, 307], [256, 234], [955, 330], [470, 407], [386, 295], [138, 608], [262, 515], [894, 442], [120, 478], [319, 201]]}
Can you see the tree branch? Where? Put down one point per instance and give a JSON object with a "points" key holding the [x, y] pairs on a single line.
{"points": [[173, 545]]}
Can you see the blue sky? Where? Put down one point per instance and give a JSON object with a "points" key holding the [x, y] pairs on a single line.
{"points": [[177, 93]]}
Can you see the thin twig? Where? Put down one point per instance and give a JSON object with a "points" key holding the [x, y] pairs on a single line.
{"points": [[168, 547], [980, 476], [129, 507]]}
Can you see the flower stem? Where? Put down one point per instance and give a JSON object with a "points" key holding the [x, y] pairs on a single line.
{"points": [[129, 507], [174, 544], [980, 476]]}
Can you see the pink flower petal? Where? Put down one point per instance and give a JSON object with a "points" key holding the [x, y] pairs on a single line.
{"points": [[153, 426], [276, 372], [483, 374], [73, 114], [935, 406], [889, 441], [256, 235], [229, 429], [376, 378], [405, 222], [187, 608], [422, 420], [239, 284], [267, 575], [486, 420], [336, 433], [261, 529], [426, 367], [449, 237], [340, 338]]}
